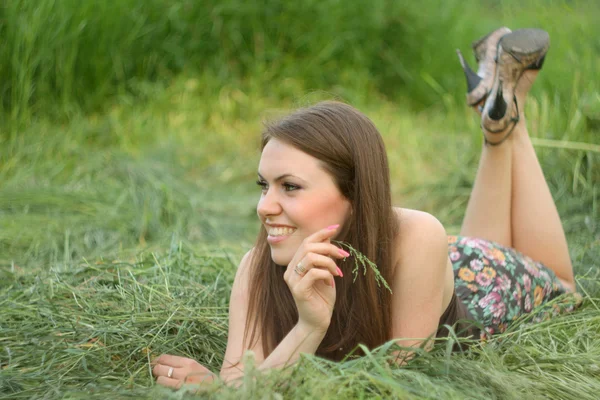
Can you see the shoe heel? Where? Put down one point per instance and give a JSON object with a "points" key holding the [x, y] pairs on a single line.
{"points": [[498, 109], [473, 79], [479, 83]]}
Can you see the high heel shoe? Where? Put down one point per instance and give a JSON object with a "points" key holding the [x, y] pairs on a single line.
{"points": [[521, 50], [479, 84]]}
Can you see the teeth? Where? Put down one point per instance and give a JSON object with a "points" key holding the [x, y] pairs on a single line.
{"points": [[281, 231]]}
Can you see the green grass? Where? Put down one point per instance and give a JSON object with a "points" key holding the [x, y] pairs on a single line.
{"points": [[89, 329], [122, 231], [59, 57], [128, 151]]}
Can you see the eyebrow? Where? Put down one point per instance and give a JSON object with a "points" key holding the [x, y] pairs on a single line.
{"points": [[281, 177]]}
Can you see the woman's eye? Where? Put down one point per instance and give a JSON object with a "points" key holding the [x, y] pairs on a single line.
{"points": [[290, 187], [262, 184]]}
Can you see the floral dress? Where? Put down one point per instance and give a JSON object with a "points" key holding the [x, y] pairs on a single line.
{"points": [[499, 284]]}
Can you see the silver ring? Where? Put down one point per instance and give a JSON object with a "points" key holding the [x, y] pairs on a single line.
{"points": [[300, 269], [170, 373]]}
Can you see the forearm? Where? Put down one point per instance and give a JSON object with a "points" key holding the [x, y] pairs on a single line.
{"points": [[301, 339]]}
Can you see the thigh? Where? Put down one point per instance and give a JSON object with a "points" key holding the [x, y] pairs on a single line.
{"points": [[499, 284]]}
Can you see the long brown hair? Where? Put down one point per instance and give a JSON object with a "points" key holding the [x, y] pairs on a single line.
{"points": [[350, 149]]}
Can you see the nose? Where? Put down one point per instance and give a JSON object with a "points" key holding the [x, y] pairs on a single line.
{"points": [[268, 204]]}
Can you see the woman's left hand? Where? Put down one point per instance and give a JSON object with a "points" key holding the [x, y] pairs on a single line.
{"points": [[174, 371]]}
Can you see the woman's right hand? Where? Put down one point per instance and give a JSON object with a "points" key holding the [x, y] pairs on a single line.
{"points": [[314, 289]]}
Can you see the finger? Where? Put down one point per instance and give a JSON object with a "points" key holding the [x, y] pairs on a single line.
{"points": [[327, 249], [310, 261], [163, 370], [311, 277], [169, 382], [314, 260], [321, 236], [172, 361]]}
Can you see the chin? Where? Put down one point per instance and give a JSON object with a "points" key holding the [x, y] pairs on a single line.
{"points": [[280, 258]]}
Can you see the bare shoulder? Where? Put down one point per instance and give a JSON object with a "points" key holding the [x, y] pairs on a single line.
{"points": [[418, 229], [423, 281], [241, 282], [243, 271], [238, 315], [407, 216], [245, 262]]}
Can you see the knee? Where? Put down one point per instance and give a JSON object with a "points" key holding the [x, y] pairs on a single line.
{"points": [[569, 285]]}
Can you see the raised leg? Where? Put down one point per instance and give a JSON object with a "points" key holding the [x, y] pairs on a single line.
{"points": [[536, 227], [511, 203], [488, 213], [492, 187]]}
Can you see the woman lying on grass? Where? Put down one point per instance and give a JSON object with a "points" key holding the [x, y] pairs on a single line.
{"points": [[325, 180]]}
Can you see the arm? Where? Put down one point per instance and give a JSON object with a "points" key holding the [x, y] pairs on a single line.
{"points": [[238, 309], [314, 294], [423, 274], [301, 339]]}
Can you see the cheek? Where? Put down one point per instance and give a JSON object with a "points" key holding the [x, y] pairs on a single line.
{"points": [[324, 211], [309, 215]]}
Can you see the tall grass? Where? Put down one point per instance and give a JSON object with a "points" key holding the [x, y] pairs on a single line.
{"points": [[184, 163], [89, 329], [59, 57]]}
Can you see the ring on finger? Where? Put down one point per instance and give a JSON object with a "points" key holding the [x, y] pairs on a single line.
{"points": [[300, 269], [170, 373]]}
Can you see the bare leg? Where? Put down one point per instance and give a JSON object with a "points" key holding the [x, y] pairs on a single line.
{"points": [[511, 203], [488, 214], [536, 227]]}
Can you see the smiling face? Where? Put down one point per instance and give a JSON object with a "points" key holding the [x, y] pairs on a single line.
{"points": [[298, 198]]}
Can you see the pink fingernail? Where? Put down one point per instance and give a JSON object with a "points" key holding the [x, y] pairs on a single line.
{"points": [[344, 253], [332, 227], [339, 271]]}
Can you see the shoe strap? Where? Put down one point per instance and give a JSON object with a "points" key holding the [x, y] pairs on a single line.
{"points": [[515, 120]]}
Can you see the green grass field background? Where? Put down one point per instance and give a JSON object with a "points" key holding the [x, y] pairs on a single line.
{"points": [[129, 141]]}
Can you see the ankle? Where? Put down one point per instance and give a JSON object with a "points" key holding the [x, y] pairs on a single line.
{"points": [[520, 133], [523, 87], [525, 83], [513, 132]]}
